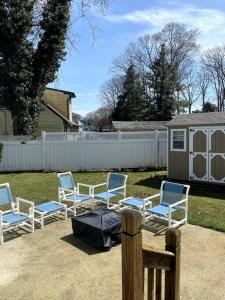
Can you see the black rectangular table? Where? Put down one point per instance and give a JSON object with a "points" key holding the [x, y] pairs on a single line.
{"points": [[100, 228]]}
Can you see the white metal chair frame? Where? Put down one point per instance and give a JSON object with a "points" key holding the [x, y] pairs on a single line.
{"points": [[171, 222], [63, 193], [15, 208], [141, 209], [123, 192], [45, 214]]}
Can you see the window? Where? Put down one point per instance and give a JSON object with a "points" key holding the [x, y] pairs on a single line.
{"points": [[178, 140]]}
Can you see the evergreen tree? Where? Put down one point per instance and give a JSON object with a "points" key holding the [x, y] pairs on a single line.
{"points": [[132, 103], [209, 107], [28, 63], [164, 82]]}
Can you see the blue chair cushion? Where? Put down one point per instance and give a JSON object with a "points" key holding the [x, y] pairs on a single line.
{"points": [[79, 197], [49, 207], [162, 210], [106, 195], [172, 193], [66, 181], [13, 218], [5, 195], [115, 181], [136, 202]]}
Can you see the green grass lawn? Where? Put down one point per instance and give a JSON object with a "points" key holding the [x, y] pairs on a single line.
{"points": [[206, 202]]}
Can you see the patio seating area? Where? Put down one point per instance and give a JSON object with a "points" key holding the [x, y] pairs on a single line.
{"points": [[35, 264]]}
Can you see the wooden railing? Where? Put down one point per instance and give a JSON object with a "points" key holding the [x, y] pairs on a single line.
{"points": [[163, 267]]}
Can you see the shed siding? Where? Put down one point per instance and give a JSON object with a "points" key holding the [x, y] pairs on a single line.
{"points": [[178, 161]]}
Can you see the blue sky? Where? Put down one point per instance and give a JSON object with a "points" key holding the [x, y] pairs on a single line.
{"points": [[88, 67]]}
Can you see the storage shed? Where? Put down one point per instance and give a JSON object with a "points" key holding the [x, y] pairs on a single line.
{"points": [[196, 147]]}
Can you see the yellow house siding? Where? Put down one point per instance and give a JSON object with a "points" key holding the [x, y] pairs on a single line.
{"points": [[49, 121], [6, 127], [58, 100]]}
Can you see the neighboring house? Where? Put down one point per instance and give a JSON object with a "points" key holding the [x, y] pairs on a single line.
{"points": [[56, 114], [139, 125], [196, 147], [5, 122]]}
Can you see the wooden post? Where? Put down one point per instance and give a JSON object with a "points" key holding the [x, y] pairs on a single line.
{"points": [[132, 265], [172, 277]]}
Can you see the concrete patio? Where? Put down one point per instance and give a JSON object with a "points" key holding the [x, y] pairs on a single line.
{"points": [[51, 264]]}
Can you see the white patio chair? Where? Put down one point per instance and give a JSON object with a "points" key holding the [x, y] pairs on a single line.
{"points": [[13, 218], [115, 186], [69, 192], [173, 197]]}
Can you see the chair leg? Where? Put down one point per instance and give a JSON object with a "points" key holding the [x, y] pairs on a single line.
{"points": [[32, 224], [42, 221], [170, 221], [1, 236], [65, 212], [74, 210], [108, 203]]}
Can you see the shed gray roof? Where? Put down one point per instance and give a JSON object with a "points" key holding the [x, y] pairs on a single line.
{"points": [[139, 125], [211, 118]]}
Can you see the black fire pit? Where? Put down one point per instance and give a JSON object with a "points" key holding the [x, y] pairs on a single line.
{"points": [[100, 228]]}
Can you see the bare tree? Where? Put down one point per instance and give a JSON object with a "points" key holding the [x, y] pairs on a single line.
{"points": [[214, 62], [180, 44], [110, 92], [204, 83], [96, 120], [190, 90]]}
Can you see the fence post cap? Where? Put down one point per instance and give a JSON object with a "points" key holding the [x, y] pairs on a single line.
{"points": [[131, 222], [173, 237]]}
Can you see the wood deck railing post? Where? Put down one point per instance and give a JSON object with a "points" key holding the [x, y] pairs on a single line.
{"points": [[132, 266], [172, 277]]}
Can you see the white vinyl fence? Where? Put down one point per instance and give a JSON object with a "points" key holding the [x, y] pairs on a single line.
{"points": [[84, 151]]}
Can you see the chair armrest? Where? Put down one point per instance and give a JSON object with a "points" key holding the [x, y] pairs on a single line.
{"points": [[67, 190], [116, 189], [85, 185], [179, 202], [30, 203], [90, 187], [152, 197], [96, 186], [24, 201]]}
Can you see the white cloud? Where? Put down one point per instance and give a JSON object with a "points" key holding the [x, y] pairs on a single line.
{"points": [[211, 23]]}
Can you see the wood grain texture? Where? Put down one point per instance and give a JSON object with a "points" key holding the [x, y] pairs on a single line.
{"points": [[132, 266]]}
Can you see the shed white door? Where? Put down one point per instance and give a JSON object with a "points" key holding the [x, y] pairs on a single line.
{"points": [[198, 157], [207, 154], [217, 155]]}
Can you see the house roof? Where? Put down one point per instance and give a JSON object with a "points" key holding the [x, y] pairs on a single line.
{"points": [[139, 125], [71, 123], [72, 94], [211, 118]]}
